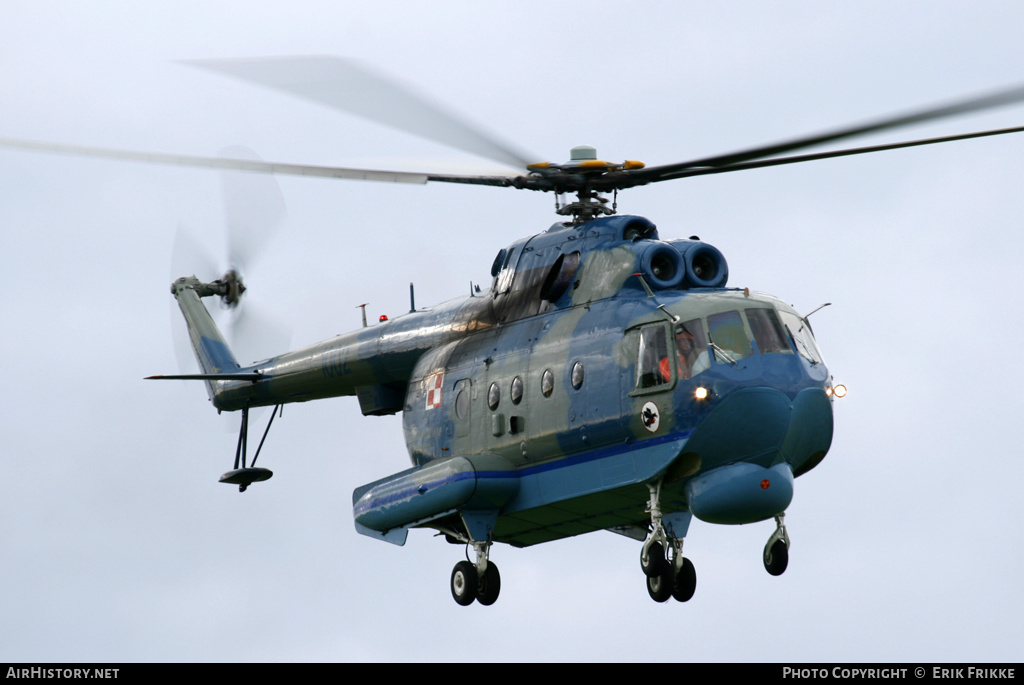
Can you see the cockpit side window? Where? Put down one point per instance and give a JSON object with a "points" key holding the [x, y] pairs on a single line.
{"points": [[653, 365], [728, 338], [768, 332], [802, 337]]}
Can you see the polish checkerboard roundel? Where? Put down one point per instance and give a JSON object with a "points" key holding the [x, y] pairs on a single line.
{"points": [[434, 383]]}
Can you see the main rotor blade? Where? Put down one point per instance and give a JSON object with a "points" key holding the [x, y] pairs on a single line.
{"points": [[218, 162], [778, 161], [255, 166], [992, 100], [350, 87]]}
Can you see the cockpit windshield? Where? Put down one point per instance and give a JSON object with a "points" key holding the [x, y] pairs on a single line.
{"points": [[728, 337], [768, 333]]}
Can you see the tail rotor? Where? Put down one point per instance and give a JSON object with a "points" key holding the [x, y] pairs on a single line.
{"points": [[254, 211]]}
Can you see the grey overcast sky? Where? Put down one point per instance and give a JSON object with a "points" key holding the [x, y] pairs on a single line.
{"points": [[118, 544]]}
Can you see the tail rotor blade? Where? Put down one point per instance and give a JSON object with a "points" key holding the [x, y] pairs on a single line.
{"points": [[256, 335], [254, 210], [188, 258]]}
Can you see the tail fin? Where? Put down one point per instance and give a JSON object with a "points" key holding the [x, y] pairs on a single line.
{"points": [[212, 351]]}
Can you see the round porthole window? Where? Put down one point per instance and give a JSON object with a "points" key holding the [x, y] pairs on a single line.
{"points": [[547, 383], [462, 404], [516, 391], [493, 396], [577, 375]]}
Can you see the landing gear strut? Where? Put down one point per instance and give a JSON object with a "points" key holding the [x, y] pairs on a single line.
{"points": [[776, 550], [669, 573], [480, 581], [245, 476]]}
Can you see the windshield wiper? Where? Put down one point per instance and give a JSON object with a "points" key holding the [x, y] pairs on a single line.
{"points": [[725, 354]]}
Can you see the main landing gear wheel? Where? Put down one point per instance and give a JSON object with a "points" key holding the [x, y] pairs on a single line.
{"points": [[686, 582], [489, 585], [776, 558], [776, 550], [669, 583], [464, 583], [669, 573], [659, 587], [480, 581], [654, 562]]}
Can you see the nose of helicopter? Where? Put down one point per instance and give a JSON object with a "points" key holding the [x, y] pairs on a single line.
{"points": [[749, 448]]}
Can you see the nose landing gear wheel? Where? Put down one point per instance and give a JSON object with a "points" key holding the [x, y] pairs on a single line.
{"points": [[464, 583]]}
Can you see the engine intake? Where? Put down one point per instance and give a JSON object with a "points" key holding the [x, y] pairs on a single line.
{"points": [[662, 265], [705, 264]]}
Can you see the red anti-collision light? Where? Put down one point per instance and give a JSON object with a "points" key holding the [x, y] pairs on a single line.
{"points": [[765, 483]]}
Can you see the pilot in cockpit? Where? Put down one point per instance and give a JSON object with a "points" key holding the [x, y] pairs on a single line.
{"points": [[693, 356]]}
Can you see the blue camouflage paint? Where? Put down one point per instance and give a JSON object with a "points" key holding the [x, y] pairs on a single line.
{"points": [[768, 408], [577, 297], [217, 356]]}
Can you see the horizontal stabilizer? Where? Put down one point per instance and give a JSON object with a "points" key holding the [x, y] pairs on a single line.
{"points": [[249, 376]]}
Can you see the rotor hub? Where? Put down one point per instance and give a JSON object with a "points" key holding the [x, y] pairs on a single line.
{"points": [[230, 289]]}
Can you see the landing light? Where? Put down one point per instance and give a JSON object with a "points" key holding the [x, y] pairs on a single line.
{"points": [[839, 390], [700, 393]]}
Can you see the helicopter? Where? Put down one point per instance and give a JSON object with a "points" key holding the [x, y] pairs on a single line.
{"points": [[609, 379]]}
